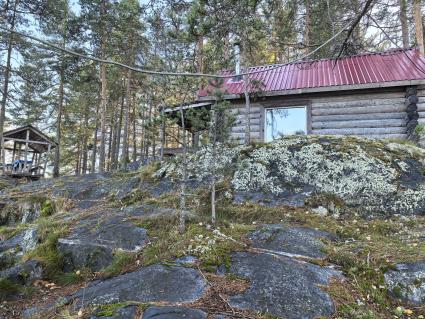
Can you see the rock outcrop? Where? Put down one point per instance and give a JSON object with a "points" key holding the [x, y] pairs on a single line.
{"points": [[407, 282], [368, 175]]}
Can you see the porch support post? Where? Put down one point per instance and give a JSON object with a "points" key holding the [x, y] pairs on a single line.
{"points": [[26, 150], [14, 151]]}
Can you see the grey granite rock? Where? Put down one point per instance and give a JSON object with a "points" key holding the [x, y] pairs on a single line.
{"points": [[171, 312], [407, 282], [93, 240], [154, 283], [282, 286], [293, 240], [23, 274]]}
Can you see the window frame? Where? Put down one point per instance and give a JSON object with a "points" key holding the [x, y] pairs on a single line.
{"points": [[305, 105]]}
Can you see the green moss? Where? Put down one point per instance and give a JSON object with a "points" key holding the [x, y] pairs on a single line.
{"points": [[110, 310], [211, 248], [122, 259], [8, 288], [49, 231], [47, 208]]}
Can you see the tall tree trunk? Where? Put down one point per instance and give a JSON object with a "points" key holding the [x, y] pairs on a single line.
{"points": [[134, 131], [85, 140], [247, 110], [114, 140], [182, 219], [58, 122], [60, 98], [417, 15], [307, 22], [124, 156], [6, 76], [103, 94], [94, 152], [117, 155], [404, 26]]}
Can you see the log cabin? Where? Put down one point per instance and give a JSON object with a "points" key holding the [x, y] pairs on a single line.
{"points": [[374, 95]]}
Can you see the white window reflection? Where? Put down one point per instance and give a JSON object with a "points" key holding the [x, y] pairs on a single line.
{"points": [[285, 121]]}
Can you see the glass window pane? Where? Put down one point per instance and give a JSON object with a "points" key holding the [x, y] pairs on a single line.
{"points": [[285, 121]]}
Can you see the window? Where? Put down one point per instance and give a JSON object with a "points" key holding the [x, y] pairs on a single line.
{"points": [[285, 121]]}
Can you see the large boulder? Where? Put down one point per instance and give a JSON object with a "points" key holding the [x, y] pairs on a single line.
{"points": [[282, 287], [155, 283], [407, 282], [92, 242]]}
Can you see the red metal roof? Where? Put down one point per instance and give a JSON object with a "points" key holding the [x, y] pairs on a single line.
{"points": [[394, 65]]}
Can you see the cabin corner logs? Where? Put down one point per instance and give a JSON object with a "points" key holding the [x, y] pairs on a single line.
{"points": [[412, 113], [383, 113]]}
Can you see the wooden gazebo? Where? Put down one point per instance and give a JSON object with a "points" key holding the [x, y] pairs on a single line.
{"points": [[25, 152]]}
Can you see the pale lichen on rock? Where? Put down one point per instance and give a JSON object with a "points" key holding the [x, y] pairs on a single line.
{"points": [[362, 172]]}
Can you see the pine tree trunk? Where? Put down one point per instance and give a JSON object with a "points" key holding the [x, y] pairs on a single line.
{"points": [[247, 110], [124, 156], [94, 152], [134, 132], [417, 15], [403, 21], [58, 122], [6, 76], [307, 22], [102, 148], [103, 93], [182, 220], [85, 140]]}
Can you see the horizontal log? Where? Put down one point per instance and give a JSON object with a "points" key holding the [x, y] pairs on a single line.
{"points": [[359, 124], [241, 129], [242, 135], [237, 111], [421, 106], [367, 116], [256, 115], [355, 97], [361, 110], [362, 131], [355, 103]]}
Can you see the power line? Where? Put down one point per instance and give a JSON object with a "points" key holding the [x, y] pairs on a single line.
{"points": [[167, 73]]}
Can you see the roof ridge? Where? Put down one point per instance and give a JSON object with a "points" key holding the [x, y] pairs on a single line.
{"points": [[387, 52]]}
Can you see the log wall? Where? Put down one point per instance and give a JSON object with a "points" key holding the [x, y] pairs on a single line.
{"points": [[378, 114]]}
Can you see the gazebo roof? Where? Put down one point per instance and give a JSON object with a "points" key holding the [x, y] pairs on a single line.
{"points": [[39, 141]]}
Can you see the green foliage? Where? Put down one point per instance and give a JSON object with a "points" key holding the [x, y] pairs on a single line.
{"points": [[8, 288], [121, 261], [49, 231], [47, 208]]}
